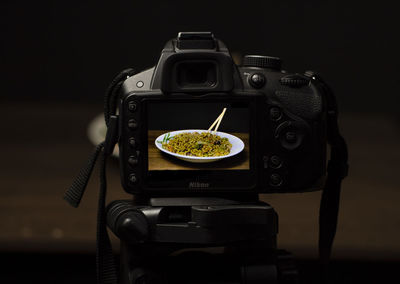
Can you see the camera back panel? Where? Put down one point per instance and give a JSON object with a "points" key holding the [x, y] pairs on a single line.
{"points": [[279, 116]]}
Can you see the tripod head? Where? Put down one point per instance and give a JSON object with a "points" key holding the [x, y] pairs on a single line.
{"points": [[202, 221], [153, 235]]}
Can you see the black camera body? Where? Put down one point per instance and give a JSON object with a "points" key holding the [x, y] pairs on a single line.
{"points": [[281, 118]]}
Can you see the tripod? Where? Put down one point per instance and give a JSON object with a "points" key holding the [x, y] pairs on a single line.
{"points": [[198, 240]]}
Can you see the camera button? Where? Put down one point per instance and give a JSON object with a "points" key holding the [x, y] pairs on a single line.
{"points": [[133, 161], [274, 162], [132, 106], [257, 80], [132, 142], [291, 136], [275, 180], [275, 113], [133, 178], [132, 124]]}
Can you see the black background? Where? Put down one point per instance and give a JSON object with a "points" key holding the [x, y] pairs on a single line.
{"points": [[174, 116], [67, 52], [70, 50]]}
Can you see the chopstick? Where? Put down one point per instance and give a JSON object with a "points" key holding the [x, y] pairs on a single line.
{"points": [[217, 122]]}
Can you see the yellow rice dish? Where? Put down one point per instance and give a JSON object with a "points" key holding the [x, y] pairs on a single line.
{"points": [[197, 144]]}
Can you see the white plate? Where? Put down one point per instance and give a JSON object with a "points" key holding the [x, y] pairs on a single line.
{"points": [[237, 146]]}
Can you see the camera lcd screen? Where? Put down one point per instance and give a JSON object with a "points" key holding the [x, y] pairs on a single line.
{"points": [[179, 139]]}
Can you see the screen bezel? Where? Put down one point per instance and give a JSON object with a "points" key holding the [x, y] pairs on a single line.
{"points": [[202, 180]]}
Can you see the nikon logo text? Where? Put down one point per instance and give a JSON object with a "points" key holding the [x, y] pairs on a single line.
{"points": [[196, 184]]}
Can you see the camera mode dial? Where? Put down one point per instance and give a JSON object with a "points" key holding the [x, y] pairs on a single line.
{"points": [[262, 61]]}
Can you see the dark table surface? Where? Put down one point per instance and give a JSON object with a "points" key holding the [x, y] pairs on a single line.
{"points": [[44, 145]]}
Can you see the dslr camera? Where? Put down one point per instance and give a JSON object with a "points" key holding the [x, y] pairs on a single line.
{"points": [[280, 118], [199, 138]]}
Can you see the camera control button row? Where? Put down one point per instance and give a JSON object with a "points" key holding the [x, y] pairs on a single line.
{"points": [[257, 80]]}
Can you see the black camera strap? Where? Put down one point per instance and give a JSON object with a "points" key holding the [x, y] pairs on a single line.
{"points": [[105, 262], [337, 170]]}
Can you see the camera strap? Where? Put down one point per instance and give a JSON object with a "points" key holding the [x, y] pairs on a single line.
{"points": [[105, 262], [337, 170]]}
